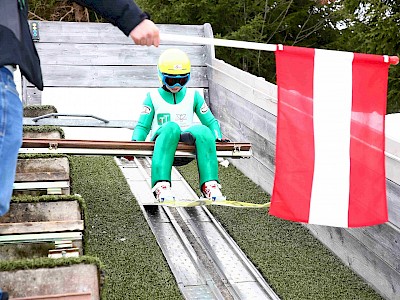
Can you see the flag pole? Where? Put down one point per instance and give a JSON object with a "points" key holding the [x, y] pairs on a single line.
{"points": [[187, 39]]}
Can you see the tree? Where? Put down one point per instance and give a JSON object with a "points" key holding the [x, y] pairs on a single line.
{"points": [[300, 22], [373, 27]]}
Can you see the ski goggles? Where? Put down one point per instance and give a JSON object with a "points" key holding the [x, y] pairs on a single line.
{"points": [[173, 81]]}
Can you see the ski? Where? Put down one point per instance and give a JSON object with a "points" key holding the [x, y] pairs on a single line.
{"points": [[200, 202]]}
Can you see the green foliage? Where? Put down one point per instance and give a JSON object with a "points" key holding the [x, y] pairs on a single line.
{"points": [[118, 234], [60, 10], [294, 263], [373, 27], [284, 22]]}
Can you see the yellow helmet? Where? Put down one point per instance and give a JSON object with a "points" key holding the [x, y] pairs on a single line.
{"points": [[174, 62]]}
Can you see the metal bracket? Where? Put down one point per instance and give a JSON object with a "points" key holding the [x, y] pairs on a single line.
{"points": [[53, 146], [236, 151]]}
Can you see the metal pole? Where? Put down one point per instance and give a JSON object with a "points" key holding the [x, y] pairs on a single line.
{"points": [[216, 42]]}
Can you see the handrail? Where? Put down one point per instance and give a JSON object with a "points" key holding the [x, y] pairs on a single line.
{"points": [[68, 115]]}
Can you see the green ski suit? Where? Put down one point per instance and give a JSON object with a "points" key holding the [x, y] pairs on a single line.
{"points": [[169, 116]]}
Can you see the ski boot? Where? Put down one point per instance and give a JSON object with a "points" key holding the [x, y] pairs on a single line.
{"points": [[211, 190], [162, 191]]}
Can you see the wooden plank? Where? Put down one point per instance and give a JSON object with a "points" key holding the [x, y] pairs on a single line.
{"points": [[41, 176], [52, 281], [60, 210], [110, 54], [42, 135], [262, 151], [252, 88], [392, 167], [230, 106], [42, 169], [354, 254], [63, 143], [112, 76], [260, 168], [40, 237], [393, 196], [381, 240], [68, 296], [210, 49], [258, 83], [40, 185], [238, 153], [40, 227], [101, 33], [392, 146]]}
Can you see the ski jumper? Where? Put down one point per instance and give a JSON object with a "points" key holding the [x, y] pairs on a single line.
{"points": [[169, 116]]}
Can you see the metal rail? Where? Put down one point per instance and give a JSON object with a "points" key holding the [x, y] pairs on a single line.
{"points": [[204, 259], [81, 121]]}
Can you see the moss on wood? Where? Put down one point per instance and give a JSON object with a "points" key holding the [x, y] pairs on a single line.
{"points": [[40, 155], [25, 250], [45, 262], [32, 111], [44, 129]]}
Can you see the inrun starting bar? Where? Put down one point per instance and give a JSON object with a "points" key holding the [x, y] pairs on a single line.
{"points": [[121, 148]]}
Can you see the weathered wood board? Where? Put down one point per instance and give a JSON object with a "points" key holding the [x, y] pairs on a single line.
{"points": [[100, 55], [44, 135], [42, 169], [52, 281], [27, 218], [41, 211]]}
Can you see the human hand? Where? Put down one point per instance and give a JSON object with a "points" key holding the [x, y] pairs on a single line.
{"points": [[146, 34]]}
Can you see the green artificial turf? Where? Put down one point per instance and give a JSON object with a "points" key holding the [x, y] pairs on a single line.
{"points": [[295, 264], [117, 233]]}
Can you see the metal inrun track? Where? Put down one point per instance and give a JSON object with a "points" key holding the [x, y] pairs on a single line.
{"points": [[205, 260]]}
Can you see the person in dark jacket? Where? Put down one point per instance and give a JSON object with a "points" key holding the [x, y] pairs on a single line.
{"points": [[17, 48]]}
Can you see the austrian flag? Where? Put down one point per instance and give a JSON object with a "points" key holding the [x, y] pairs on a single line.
{"points": [[330, 162]]}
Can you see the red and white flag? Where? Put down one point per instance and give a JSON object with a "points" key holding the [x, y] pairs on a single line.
{"points": [[330, 162]]}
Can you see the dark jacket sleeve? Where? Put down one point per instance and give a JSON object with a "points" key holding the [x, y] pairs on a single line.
{"points": [[125, 14]]}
